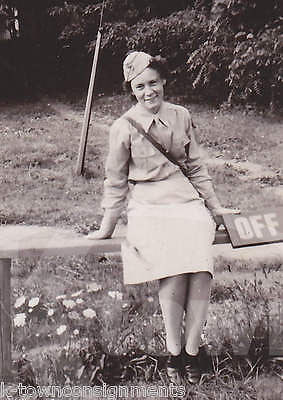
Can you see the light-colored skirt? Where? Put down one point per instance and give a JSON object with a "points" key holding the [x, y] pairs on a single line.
{"points": [[167, 239]]}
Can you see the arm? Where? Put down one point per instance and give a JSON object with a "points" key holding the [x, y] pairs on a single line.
{"points": [[116, 182]]}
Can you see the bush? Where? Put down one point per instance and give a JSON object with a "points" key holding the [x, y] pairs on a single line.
{"points": [[217, 51], [209, 64], [171, 37], [240, 66], [250, 16], [255, 74]]}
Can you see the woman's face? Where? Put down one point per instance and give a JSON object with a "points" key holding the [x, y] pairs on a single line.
{"points": [[148, 88]]}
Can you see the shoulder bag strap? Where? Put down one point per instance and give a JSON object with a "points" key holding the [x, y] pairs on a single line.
{"points": [[157, 145]]}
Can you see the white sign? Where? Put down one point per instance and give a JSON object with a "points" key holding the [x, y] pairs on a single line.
{"points": [[260, 227]]}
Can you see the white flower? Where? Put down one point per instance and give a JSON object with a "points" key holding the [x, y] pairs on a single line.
{"points": [[50, 312], [115, 295], [76, 332], [61, 296], [89, 313], [79, 301], [20, 319], [61, 329], [76, 294], [73, 315], [33, 302], [93, 287], [20, 301], [69, 303], [150, 299]]}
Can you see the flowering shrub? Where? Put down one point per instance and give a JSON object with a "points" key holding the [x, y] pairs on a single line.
{"points": [[90, 329], [43, 321]]}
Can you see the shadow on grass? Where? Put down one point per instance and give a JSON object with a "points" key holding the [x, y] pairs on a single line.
{"points": [[93, 366]]}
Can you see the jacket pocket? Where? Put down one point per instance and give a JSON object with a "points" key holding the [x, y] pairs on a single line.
{"points": [[141, 148], [143, 154]]}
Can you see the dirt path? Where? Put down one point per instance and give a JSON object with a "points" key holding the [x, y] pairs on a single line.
{"points": [[68, 113], [246, 170]]}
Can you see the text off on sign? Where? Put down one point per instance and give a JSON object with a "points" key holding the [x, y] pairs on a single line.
{"points": [[253, 228]]}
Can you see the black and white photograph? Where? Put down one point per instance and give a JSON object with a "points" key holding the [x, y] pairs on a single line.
{"points": [[141, 199]]}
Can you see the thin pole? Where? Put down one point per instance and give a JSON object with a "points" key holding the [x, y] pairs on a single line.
{"points": [[85, 127], [5, 319]]}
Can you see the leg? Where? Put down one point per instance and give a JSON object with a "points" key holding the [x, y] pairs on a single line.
{"points": [[172, 296], [196, 309]]}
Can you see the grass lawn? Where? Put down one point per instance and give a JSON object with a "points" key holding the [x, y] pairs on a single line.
{"points": [[74, 321]]}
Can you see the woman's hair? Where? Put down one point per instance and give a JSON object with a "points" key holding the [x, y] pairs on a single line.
{"points": [[157, 63]]}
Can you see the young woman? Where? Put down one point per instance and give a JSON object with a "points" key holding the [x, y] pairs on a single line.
{"points": [[170, 217]]}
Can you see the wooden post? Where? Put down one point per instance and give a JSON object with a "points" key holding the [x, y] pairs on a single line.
{"points": [[84, 134], [5, 318]]}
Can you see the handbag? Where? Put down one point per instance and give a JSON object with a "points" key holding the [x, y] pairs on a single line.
{"points": [[183, 167]]}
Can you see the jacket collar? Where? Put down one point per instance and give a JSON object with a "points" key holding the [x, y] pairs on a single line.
{"points": [[145, 118]]}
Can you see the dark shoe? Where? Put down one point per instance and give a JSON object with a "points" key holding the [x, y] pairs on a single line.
{"points": [[174, 366], [191, 368]]}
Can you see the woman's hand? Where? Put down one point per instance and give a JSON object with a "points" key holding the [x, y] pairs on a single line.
{"points": [[219, 212], [107, 227], [100, 234]]}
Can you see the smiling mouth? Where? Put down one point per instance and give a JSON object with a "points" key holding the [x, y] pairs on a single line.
{"points": [[151, 99]]}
